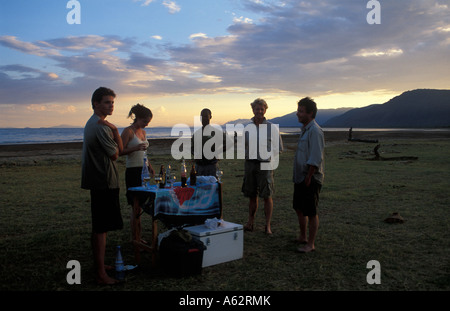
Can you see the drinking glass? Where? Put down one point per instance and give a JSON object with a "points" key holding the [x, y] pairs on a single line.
{"points": [[146, 182], [172, 179], [219, 175], [158, 179]]}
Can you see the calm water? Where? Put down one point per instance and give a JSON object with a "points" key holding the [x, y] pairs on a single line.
{"points": [[55, 135]]}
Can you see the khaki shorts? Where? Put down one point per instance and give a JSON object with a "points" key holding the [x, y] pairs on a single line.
{"points": [[257, 182]]}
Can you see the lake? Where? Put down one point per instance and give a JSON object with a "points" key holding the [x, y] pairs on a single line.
{"points": [[10, 136]]}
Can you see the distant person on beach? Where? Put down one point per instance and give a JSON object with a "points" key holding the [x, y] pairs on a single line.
{"points": [[203, 165], [102, 145], [207, 165], [135, 146], [308, 173], [258, 182]]}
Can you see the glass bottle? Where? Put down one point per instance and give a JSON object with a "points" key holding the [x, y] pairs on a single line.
{"points": [[145, 174], [162, 174], [193, 176], [183, 174], [120, 267]]}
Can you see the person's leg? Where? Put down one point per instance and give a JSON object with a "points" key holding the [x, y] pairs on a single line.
{"points": [[310, 210], [252, 208], [313, 227], [99, 247], [302, 221], [268, 210]]}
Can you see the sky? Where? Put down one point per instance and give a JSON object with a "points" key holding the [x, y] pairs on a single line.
{"points": [[177, 57]]}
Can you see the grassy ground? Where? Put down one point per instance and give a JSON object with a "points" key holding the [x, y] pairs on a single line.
{"points": [[45, 222]]}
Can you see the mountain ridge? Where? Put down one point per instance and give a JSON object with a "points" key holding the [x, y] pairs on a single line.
{"points": [[419, 108], [423, 108]]}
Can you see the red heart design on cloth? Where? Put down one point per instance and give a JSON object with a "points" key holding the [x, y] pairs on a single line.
{"points": [[183, 193]]}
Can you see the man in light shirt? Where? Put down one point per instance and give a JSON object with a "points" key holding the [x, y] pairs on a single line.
{"points": [[258, 171], [308, 173]]}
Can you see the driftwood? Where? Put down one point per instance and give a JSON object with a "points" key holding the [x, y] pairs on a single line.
{"points": [[350, 138], [364, 140], [378, 157]]}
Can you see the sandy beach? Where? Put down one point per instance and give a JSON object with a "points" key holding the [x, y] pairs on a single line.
{"points": [[54, 151]]}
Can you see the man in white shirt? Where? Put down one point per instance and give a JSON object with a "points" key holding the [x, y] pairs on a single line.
{"points": [[258, 174]]}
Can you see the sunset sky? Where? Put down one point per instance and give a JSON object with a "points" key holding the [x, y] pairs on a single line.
{"points": [[177, 57]]}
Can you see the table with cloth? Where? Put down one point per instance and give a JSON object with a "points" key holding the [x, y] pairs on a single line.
{"points": [[174, 207]]}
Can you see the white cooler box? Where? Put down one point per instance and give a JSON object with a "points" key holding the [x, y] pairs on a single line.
{"points": [[226, 243]]}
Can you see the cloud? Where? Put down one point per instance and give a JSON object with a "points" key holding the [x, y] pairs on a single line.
{"points": [[293, 47], [379, 53], [57, 108], [198, 35], [38, 48], [172, 6], [144, 2]]}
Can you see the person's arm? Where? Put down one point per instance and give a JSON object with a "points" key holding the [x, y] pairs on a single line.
{"points": [[315, 155], [116, 138], [127, 136], [311, 170]]}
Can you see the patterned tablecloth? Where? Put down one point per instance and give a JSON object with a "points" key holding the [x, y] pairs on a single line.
{"points": [[200, 200]]}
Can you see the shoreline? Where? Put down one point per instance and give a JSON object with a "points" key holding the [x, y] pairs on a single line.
{"points": [[160, 146]]}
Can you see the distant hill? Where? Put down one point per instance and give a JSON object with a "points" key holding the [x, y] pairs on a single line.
{"points": [[62, 126], [291, 120], [239, 121], [323, 115], [411, 109]]}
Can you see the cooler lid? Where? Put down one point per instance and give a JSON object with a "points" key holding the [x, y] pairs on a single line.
{"points": [[202, 230]]}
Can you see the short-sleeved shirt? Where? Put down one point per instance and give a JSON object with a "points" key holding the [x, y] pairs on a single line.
{"points": [[204, 138], [253, 144], [98, 170], [310, 151]]}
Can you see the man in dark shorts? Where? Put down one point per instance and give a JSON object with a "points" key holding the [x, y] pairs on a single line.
{"points": [[101, 147], [308, 173]]}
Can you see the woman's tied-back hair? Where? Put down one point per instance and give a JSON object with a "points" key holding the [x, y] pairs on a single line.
{"points": [[99, 93], [140, 111], [309, 104]]}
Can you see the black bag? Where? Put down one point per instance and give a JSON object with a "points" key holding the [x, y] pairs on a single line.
{"points": [[180, 254]]}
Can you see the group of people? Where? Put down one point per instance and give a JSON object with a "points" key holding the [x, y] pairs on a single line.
{"points": [[103, 145]]}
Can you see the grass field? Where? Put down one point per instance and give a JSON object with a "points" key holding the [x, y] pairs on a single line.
{"points": [[45, 222]]}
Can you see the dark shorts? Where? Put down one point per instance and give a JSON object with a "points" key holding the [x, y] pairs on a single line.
{"points": [[306, 199], [105, 210], [132, 179]]}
